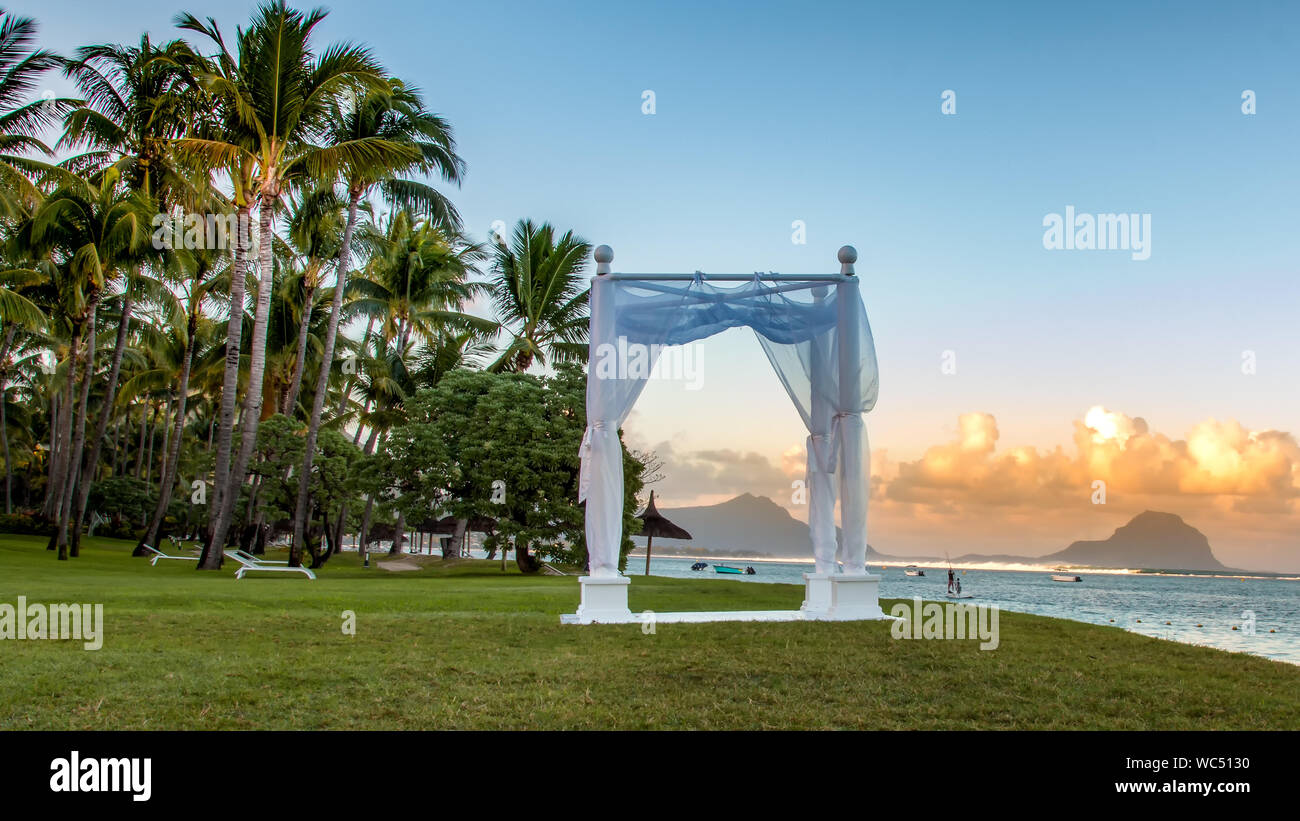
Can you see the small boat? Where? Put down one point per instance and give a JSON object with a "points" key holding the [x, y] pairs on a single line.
{"points": [[1066, 577], [722, 568], [913, 570], [699, 565]]}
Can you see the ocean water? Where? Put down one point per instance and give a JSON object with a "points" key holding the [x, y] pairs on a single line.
{"points": [[1140, 602]]}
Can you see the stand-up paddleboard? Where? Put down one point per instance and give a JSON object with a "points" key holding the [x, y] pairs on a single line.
{"points": [[955, 593]]}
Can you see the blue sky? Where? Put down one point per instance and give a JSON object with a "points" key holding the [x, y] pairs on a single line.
{"points": [[830, 113]]}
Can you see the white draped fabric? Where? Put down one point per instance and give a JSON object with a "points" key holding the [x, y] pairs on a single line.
{"points": [[815, 334]]}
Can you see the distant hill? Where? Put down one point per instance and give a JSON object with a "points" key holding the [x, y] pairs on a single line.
{"points": [[1151, 540], [746, 525], [750, 525]]}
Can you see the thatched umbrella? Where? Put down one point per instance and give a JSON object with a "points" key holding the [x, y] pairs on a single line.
{"points": [[657, 525]]}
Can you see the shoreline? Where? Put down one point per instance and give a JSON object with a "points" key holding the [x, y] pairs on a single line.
{"points": [[985, 566]]}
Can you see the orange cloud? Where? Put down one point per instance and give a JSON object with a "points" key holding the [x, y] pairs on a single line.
{"points": [[1216, 458], [1241, 487]]}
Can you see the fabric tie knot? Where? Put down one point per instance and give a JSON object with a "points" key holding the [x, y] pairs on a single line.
{"points": [[584, 453]]}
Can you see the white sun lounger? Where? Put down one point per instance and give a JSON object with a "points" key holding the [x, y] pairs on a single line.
{"points": [[246, 566], [158, 554]]}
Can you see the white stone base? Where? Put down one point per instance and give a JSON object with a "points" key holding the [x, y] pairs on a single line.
{"points": [[829, 597], [604, 601], [817, 593], [852, 598]]}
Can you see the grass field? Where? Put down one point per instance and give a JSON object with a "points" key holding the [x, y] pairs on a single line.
{"points": [[471, 647]]}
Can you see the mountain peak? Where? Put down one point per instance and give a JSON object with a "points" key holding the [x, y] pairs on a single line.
{"points": [[1156, 516], [1151, 539], [745, 524], [752, 500]]}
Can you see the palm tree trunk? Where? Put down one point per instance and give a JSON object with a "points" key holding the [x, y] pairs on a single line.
{"points": [[342, 523], [322, 386], [60, 405], [363, 548], [56, 439], [4, 438], [153, 436], [230, 386], [404, 337], [347, 387], [139, 451], [171, 459], [304, 325], [167, 433], [66, 406], [356, 435], [4, 422], [110, 396], [79, 442], [365, 529], [212, 555]]}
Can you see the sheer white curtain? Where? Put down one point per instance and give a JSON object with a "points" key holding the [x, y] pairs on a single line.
{"points": [[818, 340], [829, 371]]}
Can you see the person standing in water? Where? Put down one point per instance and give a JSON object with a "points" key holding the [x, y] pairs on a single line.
{"points": [[951, 579]]}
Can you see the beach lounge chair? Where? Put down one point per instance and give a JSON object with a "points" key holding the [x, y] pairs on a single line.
{"points": [[158, 554], [246, 565]]}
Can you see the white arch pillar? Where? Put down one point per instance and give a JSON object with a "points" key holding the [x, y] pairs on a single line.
{"points": [[848, 595]]}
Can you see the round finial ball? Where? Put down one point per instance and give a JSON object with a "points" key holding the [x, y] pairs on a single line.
{"points": [[604, 254], [848, 255]]}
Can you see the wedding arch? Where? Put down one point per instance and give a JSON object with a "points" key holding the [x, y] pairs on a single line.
{"points": [[815, 333]]}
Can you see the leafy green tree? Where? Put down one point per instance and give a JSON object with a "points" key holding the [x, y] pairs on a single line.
{"points": [[334, 480], [510, 444], [122, 498]]}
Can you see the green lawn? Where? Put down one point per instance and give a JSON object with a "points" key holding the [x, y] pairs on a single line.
{"points": [[472, 647]]}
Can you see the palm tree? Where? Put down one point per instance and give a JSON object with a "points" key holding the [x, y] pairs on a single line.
{"points": [[274, 95], [223, 120], [414, 286], [540, 296], [23, 119], [136, 103], [415, 283], [450, 350], [96, 231], [384, 384], [402, 138], [199, 272], [27, 349], [315, 231]]}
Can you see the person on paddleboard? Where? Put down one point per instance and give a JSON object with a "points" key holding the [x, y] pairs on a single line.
{"points": [[951, 578]]}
